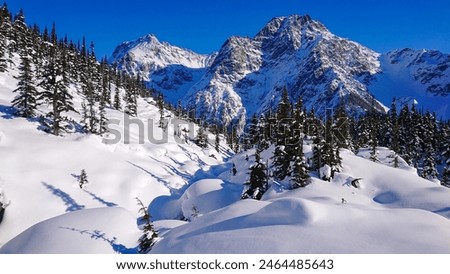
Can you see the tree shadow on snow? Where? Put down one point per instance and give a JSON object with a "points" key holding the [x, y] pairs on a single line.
{"points": [[104, 202], [100, 235], [71, 204], [8, 112]]}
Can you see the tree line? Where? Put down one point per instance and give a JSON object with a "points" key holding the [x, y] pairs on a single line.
{"points": [[51, 66], [418, 137]]}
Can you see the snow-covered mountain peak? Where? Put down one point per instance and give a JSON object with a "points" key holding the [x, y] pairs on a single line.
{"points": [[247, 75], [147, 54]]}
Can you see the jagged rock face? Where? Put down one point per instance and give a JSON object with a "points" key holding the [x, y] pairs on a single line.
{"points": [[247, 75], [429, 67]]}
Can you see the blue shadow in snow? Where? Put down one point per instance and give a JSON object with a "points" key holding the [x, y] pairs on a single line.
{"points": [[8, 112], [100, 235], [71, 204], [95, 197]]}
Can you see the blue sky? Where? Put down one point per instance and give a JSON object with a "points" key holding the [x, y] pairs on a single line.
{"points": [[203, 26]]}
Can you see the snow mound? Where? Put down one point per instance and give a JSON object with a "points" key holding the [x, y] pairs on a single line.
{"points": [[91, 231], [208, 195], [287, 211]]}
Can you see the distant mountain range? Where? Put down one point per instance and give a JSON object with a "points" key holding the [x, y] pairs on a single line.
{"points": [[247, 75]]}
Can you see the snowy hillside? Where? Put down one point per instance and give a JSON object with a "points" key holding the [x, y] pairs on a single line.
{"points": [[39, 173], [302, 55], [86, 153]]}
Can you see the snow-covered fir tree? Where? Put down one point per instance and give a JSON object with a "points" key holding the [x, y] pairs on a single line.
{"points": [[283, 143], [149, 234], [25, 102], [82, 179], [258, 182], [201, 139], [56, 94]]}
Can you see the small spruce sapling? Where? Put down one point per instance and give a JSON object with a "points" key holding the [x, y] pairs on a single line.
{"points": [[83, 180], [149, 236]]}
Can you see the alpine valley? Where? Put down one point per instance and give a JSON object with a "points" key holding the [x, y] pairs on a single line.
{"points": [[93, 160], [246, 76]]}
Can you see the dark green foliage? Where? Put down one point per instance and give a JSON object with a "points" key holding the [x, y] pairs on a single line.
{"points": [[82, 179], [25, 101], [149, 234], [300, 175], [258, 182], [201, 139], [56, 95]]}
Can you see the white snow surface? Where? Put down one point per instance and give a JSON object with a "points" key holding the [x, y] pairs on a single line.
{"points": [[195, 200]]}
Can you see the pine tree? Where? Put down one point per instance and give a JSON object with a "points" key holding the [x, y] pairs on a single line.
{"points": [[22, 35], [83, 180], [149, 236], [5, 27], [160, 105], [130, 99], [283, 147], [25, 101], [217, 139], [55, 93], [429, 164], [102, 113], [258, 182], [201, 139], [341, 128], [300, 174]]}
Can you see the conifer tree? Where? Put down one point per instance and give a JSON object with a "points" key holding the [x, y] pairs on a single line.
{"points": [[103, 121], [149, 234], [341, 128], [300, 174], [429, 163], [201, 139], [3, 61], [258, 182], [5, 26], [217, 139], [83, 180], [25, 101], [117, 101], [130, 99], [55, 93], [283, 147], [160, 105]]}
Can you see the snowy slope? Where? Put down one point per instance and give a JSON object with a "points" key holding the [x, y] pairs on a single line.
{"points": [[394, 211], [38, 171]]}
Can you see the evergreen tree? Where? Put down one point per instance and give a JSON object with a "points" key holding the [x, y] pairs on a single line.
{"points": [[22, 35], [5, 26], [283, 150], [201, 139], [217, 139], [300, 174], [55, 93], [429, 164], [102, 113], [25, 101], [117, 101], [160, 105], [83, 180], [149, 234], [258, 182], [341, 128], [445, 153]]}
